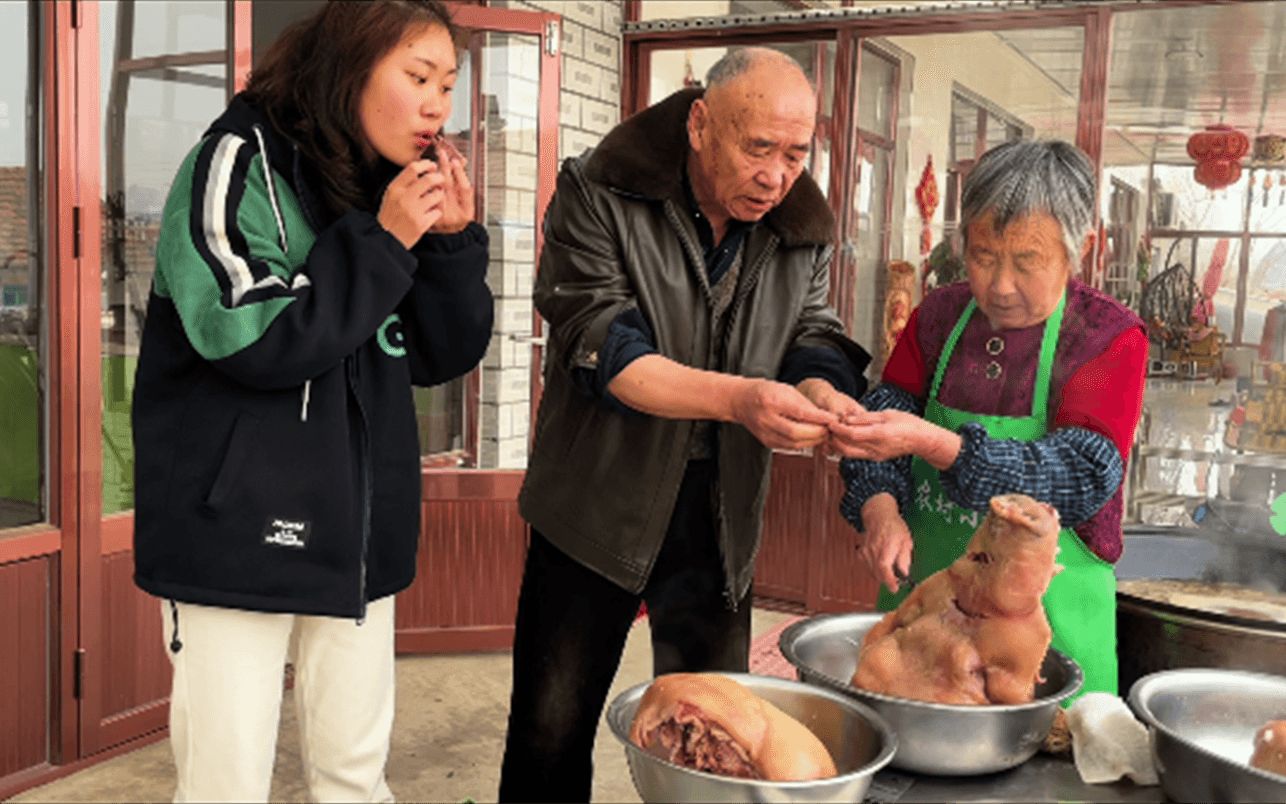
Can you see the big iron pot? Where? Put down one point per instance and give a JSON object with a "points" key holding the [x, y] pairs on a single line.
{"points": [[1154, 636]]}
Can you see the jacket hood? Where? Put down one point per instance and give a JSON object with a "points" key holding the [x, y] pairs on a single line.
{"points": [[249, 122], [645, 155], [242, 118]]}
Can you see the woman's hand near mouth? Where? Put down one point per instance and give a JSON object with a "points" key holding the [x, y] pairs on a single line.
{"points": [[413, 202], [457, 200]]}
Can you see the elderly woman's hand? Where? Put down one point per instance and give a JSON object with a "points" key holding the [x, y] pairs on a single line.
{"points": [[885, 549], [887, 434]]}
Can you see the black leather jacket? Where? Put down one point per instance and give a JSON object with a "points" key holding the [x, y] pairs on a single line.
{"points": [[601, 482]]}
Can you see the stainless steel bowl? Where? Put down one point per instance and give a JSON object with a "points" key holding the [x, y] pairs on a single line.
{"points": [[937, 739], [1203, 724], [859, 742]]}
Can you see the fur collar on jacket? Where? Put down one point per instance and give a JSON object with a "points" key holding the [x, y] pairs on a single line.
{"points": [[645, 155]]}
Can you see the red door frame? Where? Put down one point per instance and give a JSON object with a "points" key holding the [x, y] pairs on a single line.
{"points": [[98, 536]]}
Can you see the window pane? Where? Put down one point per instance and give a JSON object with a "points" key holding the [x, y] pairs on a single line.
{"points": [[964, 129], [23, 348], [687, 9], [875, 93], [1266, 290], [151, 119], [1268, 200], [509, 69], [870, 225], [440, 411], [1182, 203], [999, 131]]}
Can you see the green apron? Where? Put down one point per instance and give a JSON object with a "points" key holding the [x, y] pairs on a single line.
{"points": [[1081, 600]]}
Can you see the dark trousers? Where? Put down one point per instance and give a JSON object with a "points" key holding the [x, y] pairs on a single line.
{"points": [[571, 629]]}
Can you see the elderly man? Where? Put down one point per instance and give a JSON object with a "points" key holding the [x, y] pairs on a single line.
{"points": [[684, 279]]}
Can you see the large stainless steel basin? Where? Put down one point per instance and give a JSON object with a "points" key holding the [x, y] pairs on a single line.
{"points": [[938, 739]]}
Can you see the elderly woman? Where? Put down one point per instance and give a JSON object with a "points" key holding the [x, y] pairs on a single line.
{"points": [[1022, 380]]}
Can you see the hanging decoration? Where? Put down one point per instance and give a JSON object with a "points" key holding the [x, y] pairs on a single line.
{"points": [[1270, 148], [926, 198], [1268, 185], [1218, 151], [689, 76], [898, 302]]}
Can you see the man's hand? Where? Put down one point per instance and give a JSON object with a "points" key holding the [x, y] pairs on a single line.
{"points": [[779, 415], [457, 199], [412, 202], [887, 434], [822, 394], [885, 549]]}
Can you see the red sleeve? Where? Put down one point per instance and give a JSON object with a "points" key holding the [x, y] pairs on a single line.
{"points": [[1106, 394], [905, 368]]}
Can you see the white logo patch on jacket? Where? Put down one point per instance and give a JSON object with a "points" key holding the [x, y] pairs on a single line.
{"points": [[281, 532]]}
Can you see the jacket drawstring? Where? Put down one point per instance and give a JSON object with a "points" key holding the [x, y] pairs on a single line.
{"points": [[272, 192], [285, 247], [305, 394], [175, 644]]}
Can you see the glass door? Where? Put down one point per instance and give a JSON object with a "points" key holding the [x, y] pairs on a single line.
{"points": [[162, 75], [30, 403], [24, 495], [475, 432]]}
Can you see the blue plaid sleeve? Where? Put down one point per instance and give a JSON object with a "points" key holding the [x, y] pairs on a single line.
{"points": [[1073, 469], [864, 479]]}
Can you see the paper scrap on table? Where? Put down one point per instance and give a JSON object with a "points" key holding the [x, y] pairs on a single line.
{"points": [[1108, 742]]}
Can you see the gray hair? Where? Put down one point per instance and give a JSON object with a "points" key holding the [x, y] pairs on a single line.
{"points": [[1018, 178], [737, 62]]}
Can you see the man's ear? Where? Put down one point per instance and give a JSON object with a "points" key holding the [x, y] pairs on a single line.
{"points": [[698, 121]]}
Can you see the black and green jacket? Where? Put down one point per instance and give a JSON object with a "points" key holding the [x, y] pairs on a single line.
{"points": [[277, 463]]}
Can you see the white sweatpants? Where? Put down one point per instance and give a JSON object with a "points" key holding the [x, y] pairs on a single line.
{"points": [[226, 701]]}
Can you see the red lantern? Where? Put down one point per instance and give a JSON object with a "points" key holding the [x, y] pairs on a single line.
{"points": [[1218, 151]]}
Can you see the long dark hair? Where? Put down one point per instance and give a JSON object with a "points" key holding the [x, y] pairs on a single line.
{"points": [[311, 79]]}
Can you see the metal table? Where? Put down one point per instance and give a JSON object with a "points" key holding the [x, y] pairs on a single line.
{"points": [[1042, 778]]}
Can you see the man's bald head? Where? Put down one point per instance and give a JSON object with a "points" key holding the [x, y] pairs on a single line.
{"points": [[750, 133], [739, 63]]}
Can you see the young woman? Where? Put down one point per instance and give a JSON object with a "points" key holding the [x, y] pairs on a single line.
{"points": [[312, 267]]}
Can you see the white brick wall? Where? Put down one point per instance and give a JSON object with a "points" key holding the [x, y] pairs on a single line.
{"points": [[513, 207], [591, 67], [573, 39], [598, 117], [513, 244], [603, 50], [588, 107], [506, 386], [569, 110]]}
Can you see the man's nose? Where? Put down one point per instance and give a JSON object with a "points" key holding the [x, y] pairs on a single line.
{"points": [[773, 175]]}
